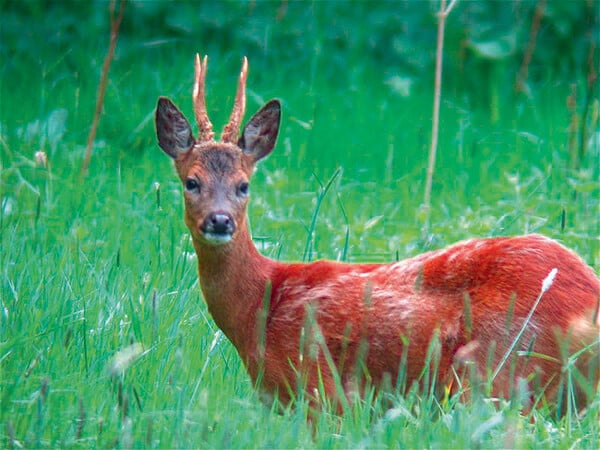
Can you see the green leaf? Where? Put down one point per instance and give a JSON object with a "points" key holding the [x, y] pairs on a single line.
{"points": [[500, 48]]}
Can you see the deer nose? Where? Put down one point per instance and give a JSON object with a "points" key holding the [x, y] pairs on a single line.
{"points": [[218, 223]]}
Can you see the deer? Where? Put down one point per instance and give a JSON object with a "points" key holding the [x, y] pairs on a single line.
{"points": [[516, 306]]}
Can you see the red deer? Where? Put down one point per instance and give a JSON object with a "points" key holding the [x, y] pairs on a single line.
{"points": [[515, 306]]}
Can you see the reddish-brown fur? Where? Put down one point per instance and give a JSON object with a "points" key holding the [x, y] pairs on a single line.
{"points": [[299, 326]]}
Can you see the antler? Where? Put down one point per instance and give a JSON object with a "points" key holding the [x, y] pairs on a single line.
{"points": [[204, 125], [232, 129]]}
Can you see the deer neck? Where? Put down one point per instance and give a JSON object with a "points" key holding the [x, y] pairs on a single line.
{"points": [[233, 278]]}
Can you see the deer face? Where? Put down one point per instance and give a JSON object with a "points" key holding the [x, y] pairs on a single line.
{"points": [[216, 175], [216, 187]]}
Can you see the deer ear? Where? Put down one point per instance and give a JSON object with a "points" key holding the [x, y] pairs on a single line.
{"points": [[172, 129], [260, 133]]}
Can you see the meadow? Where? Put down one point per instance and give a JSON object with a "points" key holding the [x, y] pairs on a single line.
{"points": [[105, 340]]}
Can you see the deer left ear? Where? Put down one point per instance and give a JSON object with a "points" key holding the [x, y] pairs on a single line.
{"points": [[172, 129], [260, 133]]}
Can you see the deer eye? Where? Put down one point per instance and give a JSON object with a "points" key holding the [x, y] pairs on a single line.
{"points": [[243, 189], [191, 185]]}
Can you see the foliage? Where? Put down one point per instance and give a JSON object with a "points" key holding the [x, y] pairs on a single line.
{"points": [[104, 338]]}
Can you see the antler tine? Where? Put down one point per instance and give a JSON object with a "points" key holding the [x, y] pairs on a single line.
{"points": [[232, 129], [198, 96]]}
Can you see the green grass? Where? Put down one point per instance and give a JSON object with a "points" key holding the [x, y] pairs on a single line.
{"points": [[90, 268]]}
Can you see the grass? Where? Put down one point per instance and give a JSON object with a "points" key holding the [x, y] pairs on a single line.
{"points": [[92, 269]]}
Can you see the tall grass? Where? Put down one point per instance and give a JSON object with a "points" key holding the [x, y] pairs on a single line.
{"points": [[105, 340]]}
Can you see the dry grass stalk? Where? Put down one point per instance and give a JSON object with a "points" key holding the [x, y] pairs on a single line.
{"points": [[520, 85], [443, 14], [115, 24]]}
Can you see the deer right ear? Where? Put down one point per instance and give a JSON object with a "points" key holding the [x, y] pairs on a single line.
{"points": [[172, 129], [260, 133]]}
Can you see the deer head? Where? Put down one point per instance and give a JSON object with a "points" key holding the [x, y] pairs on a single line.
{"points": [[216, 174]]}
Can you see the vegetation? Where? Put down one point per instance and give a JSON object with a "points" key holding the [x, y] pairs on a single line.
{"points": [[104, 338]]}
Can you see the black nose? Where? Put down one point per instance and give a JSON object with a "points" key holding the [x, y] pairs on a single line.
{"points": [[219, 223]]}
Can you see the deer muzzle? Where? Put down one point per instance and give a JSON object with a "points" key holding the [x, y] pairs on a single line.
{"points": [[218, 227]]}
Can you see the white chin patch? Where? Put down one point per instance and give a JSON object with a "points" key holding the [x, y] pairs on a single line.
{"points": [[217, 239]]}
